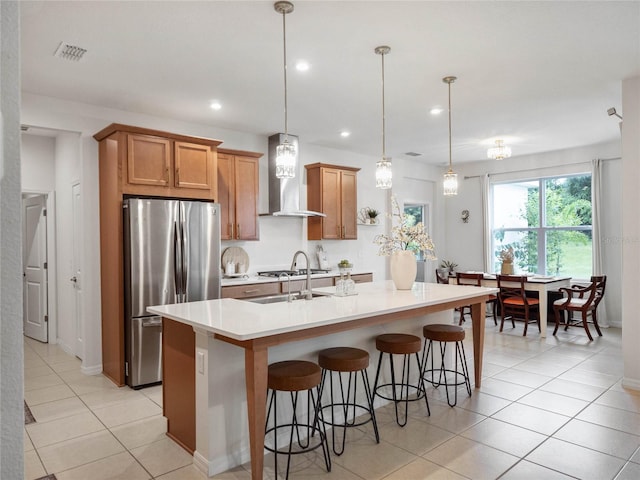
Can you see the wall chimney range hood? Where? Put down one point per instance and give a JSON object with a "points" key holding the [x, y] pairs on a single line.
{"points": [[284, 193]]}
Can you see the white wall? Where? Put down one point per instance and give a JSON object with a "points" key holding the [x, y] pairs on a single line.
{"points": [[463, 240], [38, 163], [631, 232], [11, 342]]}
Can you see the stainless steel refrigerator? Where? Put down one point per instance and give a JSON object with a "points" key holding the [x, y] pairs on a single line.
{"points": [[171, 255]]}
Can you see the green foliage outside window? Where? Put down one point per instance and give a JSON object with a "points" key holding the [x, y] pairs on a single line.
{"points": [[559, 232]]}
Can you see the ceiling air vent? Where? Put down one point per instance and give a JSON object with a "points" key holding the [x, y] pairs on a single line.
{"points": [[413, 154], [69, 52]]}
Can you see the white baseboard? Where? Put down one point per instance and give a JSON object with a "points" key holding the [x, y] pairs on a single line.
{"points": [[631, 383], [66, 347], [222, 464], [91, 370]]}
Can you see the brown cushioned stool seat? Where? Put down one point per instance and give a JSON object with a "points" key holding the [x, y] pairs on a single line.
{"points": [[294, 376], [405, 345], [444, 334], [343, 409]]}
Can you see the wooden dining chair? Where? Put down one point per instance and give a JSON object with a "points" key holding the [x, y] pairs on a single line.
{"points": [[442, 276], [514, 301], [583, 299], [475, 279]]}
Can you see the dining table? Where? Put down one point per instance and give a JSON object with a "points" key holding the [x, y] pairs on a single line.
{"points": [[543, 284]]}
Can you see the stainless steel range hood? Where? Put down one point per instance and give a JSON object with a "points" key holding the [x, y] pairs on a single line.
{"points": [[284, 193]]}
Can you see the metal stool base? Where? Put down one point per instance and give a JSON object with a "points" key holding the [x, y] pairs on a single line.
{"points": [[314, 408], [461, 377], [404, 385]]}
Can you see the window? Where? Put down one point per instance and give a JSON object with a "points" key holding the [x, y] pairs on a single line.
{"points": [[547, 222], [415, 214]]}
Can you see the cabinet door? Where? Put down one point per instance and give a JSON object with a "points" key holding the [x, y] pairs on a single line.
{"points": [[348, 204], [149, 161], [246, 194], [331, 224], [226, 195], [193, 166]]}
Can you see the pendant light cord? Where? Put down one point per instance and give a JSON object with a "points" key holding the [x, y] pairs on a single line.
{"points": [[450, 169], [384, 154], [284, 50]]}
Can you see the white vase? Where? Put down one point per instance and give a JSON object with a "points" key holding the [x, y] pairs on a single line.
{"points": [[404, 268]]}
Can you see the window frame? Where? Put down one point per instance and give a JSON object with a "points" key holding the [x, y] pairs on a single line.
{"points": [[540, 230]]}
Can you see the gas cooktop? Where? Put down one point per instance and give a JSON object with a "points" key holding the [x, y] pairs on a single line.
{"points": [[302, 271]]}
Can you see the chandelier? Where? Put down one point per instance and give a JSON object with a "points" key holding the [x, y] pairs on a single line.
{"points": [[499, 152]]}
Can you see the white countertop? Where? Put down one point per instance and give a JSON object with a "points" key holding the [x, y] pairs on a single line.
{"points": [[244, 320], [228, 282]]}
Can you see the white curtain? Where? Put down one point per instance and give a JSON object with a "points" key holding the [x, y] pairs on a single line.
{"points": [[486, 223], [596, 204]]}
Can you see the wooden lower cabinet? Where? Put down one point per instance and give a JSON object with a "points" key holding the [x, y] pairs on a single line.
{"points": [[179, 382], [251, 290], [254, 290]]}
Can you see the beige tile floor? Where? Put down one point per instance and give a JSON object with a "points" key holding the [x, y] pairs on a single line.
{"points": [[549, 409]]}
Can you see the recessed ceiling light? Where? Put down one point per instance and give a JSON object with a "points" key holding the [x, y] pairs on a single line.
{"points": [[345, 133], [216, 105], [302, 65], [436, 111]]}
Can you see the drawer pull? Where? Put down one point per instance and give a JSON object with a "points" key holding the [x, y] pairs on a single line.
{"points": [[255, 290]]}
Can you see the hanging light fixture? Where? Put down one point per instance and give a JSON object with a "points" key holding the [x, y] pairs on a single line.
{"points": [[499, 152], [285, 152], [450, 183], [383, 166]]}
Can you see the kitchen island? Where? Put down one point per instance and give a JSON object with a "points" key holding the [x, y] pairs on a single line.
{"points": [[225, 374]]}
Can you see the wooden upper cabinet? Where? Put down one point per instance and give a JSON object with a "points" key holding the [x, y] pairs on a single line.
{"points": [[194, 167], [163, 164], [238, 175], [332, 190], [148, 160]]}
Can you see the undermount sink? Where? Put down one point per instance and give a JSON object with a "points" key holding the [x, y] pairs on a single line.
{"points": [[283, 298]]}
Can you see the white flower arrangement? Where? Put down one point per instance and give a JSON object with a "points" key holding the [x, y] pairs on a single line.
{"points": [[506, 255], [405, 236]]}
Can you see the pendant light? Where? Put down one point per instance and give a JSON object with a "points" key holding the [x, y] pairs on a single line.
{"points": [[285, 152], [450, 184], [499, 152], [383, 166]]}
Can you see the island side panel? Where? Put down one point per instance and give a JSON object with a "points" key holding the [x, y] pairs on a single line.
{"points": [[179, 382]]}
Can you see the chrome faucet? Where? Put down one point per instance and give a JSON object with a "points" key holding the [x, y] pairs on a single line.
{"points": [[288, 285], [293, 266]]}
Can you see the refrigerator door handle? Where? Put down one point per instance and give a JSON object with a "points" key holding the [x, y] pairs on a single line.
{"points": [[185, 263], [177, 261]]}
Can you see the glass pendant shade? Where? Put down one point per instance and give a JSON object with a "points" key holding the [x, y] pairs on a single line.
{"points": [[285, 160], [499, 152], [383, 173], [450, 184]]}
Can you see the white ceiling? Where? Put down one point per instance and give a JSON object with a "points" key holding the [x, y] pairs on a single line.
{"points": [[539, 74]]}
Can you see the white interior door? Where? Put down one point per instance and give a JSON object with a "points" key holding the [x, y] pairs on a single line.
{"points": [[76, 279], [34, 261]]}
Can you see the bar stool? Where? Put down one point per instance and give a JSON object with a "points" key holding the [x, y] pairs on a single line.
{"points": [[445, 334], [405, 345], [294, 376], [342, 360]]}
